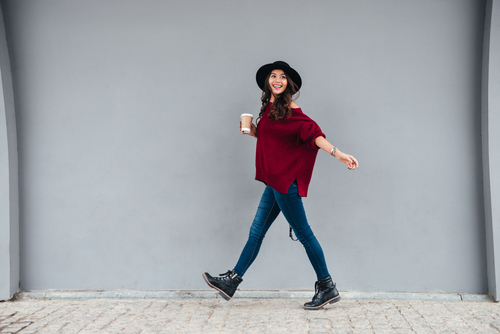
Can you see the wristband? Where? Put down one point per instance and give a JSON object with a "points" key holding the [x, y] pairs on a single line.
{"points": [[332, 152]]}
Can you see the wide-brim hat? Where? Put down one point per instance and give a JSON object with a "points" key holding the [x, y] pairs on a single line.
{"points": [[277, 65]]}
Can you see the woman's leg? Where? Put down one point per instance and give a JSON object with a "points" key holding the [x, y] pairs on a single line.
{"points": [[267, 212], [293, 210]]}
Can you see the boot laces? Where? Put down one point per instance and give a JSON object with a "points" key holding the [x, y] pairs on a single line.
{"points": [[225, 276]]}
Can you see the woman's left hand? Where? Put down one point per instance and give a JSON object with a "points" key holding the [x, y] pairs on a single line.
{"points": [[348, 159]]}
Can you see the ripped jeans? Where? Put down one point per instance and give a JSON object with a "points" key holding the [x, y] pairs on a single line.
{"points": [[271, 204]]}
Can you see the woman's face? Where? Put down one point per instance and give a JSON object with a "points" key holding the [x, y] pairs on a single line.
{"points": [[277, 82]]}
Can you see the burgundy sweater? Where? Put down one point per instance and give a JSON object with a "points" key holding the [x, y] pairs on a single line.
{"points": [[286, 151]]}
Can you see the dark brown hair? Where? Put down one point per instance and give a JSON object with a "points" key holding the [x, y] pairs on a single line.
{"points": [[282, 104]]}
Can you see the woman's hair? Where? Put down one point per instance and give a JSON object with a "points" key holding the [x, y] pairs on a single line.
{"points": [[282, 104]]}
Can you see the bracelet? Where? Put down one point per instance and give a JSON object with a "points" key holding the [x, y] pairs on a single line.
{"points": [[332, 152]]}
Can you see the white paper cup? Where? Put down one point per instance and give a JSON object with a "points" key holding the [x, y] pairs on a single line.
{"points": [[246, 122]]}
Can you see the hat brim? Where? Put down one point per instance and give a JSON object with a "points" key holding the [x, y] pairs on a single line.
{"points": [[266, 69]]}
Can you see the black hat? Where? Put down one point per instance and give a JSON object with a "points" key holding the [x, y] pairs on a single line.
{"points": [[277, 65]]}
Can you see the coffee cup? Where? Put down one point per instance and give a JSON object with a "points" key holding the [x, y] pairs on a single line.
{"points": [[246, 122]]}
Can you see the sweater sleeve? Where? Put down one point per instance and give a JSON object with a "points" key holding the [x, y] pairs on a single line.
{"points": [[309, 131]]}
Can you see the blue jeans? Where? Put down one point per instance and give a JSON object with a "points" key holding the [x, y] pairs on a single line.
{"points": [[271, 204]]}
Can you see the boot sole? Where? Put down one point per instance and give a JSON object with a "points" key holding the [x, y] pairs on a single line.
{"points": [[331, 301], [222, 293]]}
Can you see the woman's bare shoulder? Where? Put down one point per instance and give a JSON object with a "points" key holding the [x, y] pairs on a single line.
{"points": [[294, 105]]}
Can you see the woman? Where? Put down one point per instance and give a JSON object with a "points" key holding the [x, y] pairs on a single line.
{"points": [[287, 145]]}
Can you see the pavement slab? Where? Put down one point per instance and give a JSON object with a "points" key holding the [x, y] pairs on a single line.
{"points": [[246, 316]]}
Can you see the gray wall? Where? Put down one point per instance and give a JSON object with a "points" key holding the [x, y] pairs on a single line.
{"points": [[9, 196], [133, 173], [491, 142]]}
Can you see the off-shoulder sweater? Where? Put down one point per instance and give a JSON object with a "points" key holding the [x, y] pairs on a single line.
{"points": [[286, 151]]}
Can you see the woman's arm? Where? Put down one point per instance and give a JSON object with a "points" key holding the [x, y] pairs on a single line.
{"points": [[349, 160]]}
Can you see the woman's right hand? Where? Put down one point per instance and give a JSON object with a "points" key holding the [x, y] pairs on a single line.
{"points": [[253, 131]]}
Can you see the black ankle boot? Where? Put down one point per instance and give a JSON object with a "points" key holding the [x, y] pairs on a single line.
{"points": [[226, 283], [326, 292]]}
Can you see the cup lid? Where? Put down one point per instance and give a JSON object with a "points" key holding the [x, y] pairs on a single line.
{"points": [[251, 115]]}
